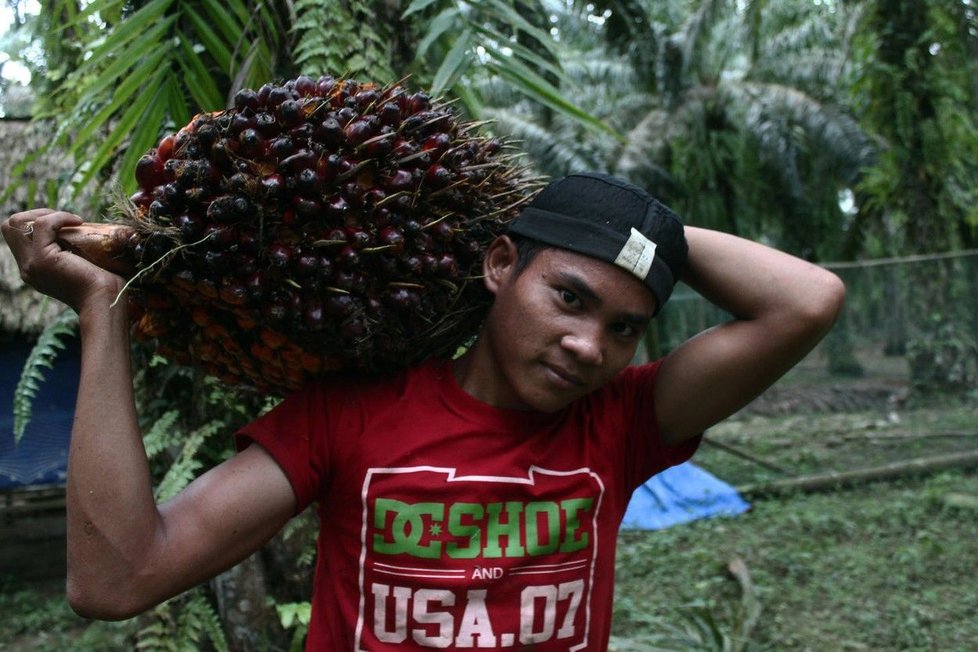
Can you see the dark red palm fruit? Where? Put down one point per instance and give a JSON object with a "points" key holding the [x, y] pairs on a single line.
{"points": [[447, 266], [374, 307], [418, 101], [390, 114], [279, 256], [400, 180], [217, 260], [246, 100], [329, 132], [393, 238], [412, 265], [306, 263], [221, 236], [289, 113], [307, 209], [164, 151], [309, 182], [339, 305], [343, 279], [302, 132], [324, 85], [304, 85], [281, 147], [337, 207], [357, 131], [304, 158], [277, 95], [429, 264], [438, 176], [344, 115], [437, 143], [191, 226], [149, 171], [324, 268], [442, 230], [220, 210], [313, 314], [242, 121], [273, 186], [358, 237], [251, 144], [366, 98], [403, 147], [240, 182], [266, 124], [348, 258], [402, 299], [141, 199]]}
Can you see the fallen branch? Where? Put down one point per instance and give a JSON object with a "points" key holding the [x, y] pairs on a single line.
{"points": [[739, 452], [835, 479]]}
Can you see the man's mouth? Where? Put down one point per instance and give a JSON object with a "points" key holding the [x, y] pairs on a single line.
{"points": [[564, 376]]}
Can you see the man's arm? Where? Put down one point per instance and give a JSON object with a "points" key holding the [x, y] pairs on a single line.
{"points": [[782, 307], [125, 553]]}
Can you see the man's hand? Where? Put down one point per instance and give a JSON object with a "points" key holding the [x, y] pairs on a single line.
{"points": [[32, 237]]}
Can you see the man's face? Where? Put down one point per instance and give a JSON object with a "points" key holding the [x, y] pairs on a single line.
{"points": [[560, 328]]}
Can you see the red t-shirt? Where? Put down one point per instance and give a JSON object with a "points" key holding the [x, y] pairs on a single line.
{"points": [[448, 523]]}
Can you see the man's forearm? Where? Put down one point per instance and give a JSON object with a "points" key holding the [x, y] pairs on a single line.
{"points": [[111, 513], [752, 281]]}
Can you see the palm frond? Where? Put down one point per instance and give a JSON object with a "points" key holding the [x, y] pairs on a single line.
{"points": [[550, 156]]}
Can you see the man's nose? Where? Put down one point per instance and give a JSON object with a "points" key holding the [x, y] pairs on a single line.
{"points": [[587, 345]]}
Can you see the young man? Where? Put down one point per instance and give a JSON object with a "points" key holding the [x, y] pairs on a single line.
{"points": [[464, 504]]}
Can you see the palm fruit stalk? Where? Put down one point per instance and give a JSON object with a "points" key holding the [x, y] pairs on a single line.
{"points": [[317, 227]]}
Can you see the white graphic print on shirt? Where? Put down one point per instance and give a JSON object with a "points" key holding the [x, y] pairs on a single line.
{"points": [[463, 562]]}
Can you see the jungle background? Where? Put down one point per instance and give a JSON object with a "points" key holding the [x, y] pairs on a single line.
{"points": [[843, 131]]}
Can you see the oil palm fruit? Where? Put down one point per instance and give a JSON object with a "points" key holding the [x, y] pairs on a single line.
{"points": [[318, 226]]}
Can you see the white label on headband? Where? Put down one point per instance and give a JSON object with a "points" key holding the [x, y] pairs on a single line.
{"points": [[637, 255]]}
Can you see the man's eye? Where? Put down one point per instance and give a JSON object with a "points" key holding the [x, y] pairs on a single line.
{"points": [[623, 329], [569, 298]]}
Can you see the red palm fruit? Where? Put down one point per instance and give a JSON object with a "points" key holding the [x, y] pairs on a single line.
{"points": [[329, 210]]}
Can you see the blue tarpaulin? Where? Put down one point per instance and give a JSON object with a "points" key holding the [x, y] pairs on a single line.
{"points": [[41, 457], [681, 494]]}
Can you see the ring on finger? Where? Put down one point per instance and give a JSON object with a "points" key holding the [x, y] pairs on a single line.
{"points": [[29, 230]]}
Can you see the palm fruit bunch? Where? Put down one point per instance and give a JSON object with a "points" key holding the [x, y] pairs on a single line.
{"points": [[318, 226]]}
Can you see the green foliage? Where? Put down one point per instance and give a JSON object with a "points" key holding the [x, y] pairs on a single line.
{"points": [[295, 616], [45, 350], [186, 463], [183, 624], [145, 68], [355, 45]]}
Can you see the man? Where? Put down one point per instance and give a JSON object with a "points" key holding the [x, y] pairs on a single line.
{"points": [[464, 504]]}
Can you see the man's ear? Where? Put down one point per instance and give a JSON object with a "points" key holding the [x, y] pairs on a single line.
{"points": [[499, 263]]}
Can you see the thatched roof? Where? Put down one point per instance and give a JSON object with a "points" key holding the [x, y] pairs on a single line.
{"points": [[43, 183]]}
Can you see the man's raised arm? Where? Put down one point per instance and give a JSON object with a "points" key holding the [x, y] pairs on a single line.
{"points": [[782, 307], [125, 554]]}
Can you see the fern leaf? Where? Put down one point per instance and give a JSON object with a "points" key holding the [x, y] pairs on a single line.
{"points": [[50, 342], [162, 434], [185, 467]]}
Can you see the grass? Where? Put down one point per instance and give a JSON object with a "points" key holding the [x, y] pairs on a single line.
{"points": [[887, 566], [882, 566]]}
